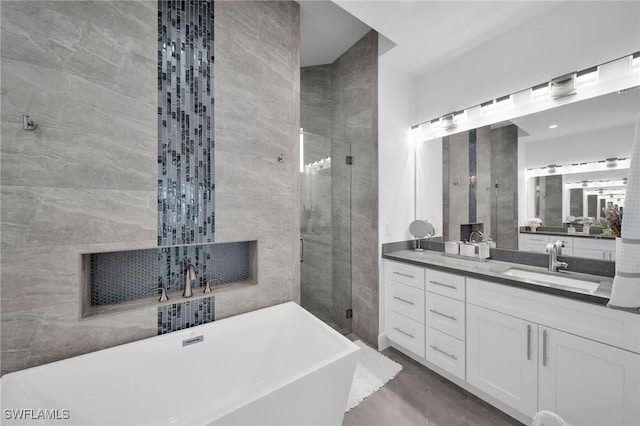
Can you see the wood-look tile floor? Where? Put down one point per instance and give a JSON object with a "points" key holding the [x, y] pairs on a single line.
{"points": [[417, 396]]}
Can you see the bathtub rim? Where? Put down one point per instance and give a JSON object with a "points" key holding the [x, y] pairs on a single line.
{"points": [[349, 350]]}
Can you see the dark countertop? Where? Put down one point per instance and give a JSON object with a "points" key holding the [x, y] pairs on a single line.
{"points": [[494, 270], [577, 234]]}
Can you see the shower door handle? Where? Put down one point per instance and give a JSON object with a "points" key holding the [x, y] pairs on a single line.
{"points": [[301, 250]]}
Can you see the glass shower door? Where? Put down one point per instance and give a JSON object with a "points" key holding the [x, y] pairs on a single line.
{"points": [[325, 229]]}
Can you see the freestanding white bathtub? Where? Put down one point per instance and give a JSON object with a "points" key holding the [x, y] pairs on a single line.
{"points": [[275, 366]]}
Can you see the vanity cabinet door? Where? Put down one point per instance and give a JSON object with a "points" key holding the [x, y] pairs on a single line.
{"points": [[502, 358], [586, 382]]}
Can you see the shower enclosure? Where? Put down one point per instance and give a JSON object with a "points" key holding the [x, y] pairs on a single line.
{"points": [[325, 229]]}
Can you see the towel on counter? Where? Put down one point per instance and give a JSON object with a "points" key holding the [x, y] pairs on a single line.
{"points": [[625, 292]]}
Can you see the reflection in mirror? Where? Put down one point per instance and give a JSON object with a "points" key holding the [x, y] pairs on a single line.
{"points": [[562, 166]]}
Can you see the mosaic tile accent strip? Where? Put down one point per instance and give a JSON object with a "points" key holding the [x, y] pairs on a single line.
{"points": [[185, 122], [190, 313], [128, 275]]}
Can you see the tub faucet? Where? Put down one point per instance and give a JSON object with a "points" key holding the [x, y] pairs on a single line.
{"points": [[189, 277], [554, 249]]}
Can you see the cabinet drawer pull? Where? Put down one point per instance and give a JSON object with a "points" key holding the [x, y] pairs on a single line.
{"points": [[444, 285], [403, 300], [404, 275], [544, 348], [435, 348], [451, 317], [404, 332], [528, 342]]}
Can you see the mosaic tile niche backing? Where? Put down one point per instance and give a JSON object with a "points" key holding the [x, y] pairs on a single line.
{"points": [[185, 315], [185, 122], [128, 275]]}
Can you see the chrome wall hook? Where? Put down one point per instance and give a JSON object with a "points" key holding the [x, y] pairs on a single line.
{"points": [[28, 124]]}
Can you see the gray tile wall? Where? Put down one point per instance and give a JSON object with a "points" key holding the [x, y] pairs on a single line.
{"points": [[257, 115], [496, 158], [355, 120], [552, 200], [504, 169], [86, 180]]}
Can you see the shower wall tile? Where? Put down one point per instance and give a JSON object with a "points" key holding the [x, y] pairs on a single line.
{"points": [[65, 216], [504, 165], [257, 119], [103, 42], [483, 178], [354, 120], [92, 138], [85, 179]]}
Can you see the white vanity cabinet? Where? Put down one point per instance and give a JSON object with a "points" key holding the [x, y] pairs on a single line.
{"points": [[502, 357], [521, 350], [404, 306], [445, 320], [516, 354], [586, 382]]}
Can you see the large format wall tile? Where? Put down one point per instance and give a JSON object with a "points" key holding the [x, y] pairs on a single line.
{"points": [[68, 216], [257, 119], [355, 94], [59, 202]]}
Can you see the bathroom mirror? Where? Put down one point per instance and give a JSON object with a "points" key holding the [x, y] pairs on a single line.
{"points": [[570, 160]]}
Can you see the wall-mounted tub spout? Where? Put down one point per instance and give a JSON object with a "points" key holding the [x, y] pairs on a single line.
{"points": [[190, 276]]}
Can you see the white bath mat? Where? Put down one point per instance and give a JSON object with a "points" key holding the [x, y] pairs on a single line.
{"points": [[373, 370]]}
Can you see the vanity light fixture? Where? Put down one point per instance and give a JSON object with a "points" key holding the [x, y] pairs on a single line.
{"points": [[449, 122], [585, 183], [588, 76], [635, 59], [563, 86], [487, 106], [436, 124], [551, 168], [541, 91], [611, 162], [504, 101]]}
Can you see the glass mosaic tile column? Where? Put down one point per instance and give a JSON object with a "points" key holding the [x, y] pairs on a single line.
{"points": [[185, 122]]}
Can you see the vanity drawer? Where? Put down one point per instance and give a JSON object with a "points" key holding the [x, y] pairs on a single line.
{"points": [[446, 352], [406, 332], [405, 300], [446, 284], [405, 274], [446, 314]]}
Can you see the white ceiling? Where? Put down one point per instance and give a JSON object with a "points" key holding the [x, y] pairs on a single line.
{"points": [[326, 31], [430, 33], [604, 112]]}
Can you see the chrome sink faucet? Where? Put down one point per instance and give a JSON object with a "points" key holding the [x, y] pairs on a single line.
{"points": [[190, 276], [554, 249]]}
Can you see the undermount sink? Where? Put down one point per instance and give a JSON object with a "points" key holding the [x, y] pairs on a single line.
{"points": [[552, 279]]}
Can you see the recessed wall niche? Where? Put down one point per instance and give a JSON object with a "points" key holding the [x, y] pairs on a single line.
{"points": [[117, 281]]}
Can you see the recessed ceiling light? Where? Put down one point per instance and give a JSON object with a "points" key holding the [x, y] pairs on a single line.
{"points": [[553, 126]]}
